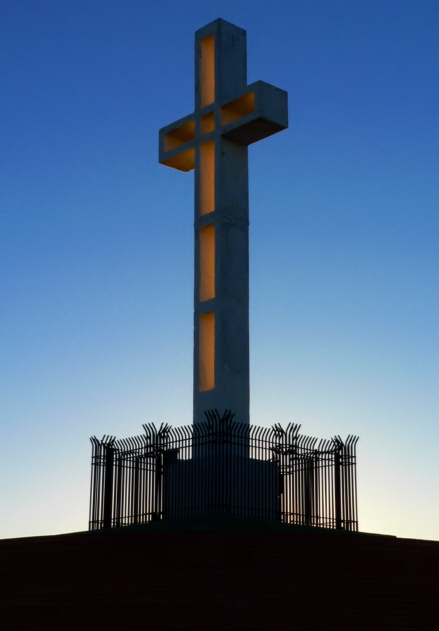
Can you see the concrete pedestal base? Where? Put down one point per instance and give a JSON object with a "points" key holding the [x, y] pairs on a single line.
{"points": [[236, 486]]}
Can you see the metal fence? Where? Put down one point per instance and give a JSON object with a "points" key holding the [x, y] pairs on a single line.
{"points": [[221, 467]]}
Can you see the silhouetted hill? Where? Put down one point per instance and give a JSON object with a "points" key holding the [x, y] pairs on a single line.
{"points": [[219, 575]]}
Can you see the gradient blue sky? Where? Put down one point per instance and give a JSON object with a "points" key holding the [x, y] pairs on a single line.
{"points": [[96, 241]]}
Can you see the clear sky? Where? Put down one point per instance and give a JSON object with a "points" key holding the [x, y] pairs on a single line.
{"points": [[96, 241]]}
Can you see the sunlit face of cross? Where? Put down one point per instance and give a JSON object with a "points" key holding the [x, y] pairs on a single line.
{"points": [[229, 115]]}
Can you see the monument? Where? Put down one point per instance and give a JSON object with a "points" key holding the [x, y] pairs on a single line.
{"points": [[229, 115], [242, 574], [221, 465]]}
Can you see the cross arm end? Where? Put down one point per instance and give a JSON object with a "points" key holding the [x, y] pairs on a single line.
{"points": [[268, 115], [176, 144]]}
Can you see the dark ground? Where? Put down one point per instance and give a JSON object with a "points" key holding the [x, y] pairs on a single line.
{"points": [[219, 575]]}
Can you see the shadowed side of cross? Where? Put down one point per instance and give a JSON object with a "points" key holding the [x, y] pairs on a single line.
{"points": [[229, 115]]}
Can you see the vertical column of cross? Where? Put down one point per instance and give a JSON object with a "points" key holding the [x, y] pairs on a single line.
{"points": [[221, 327]]}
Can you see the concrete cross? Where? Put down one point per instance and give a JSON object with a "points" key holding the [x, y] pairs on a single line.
{"points": [[229, 115]]}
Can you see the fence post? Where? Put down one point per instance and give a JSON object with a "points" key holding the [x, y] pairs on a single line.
{"points": [[119, 469], [108, 489], [136, 490], [309, 488], [337, 489], [158, 487]]}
